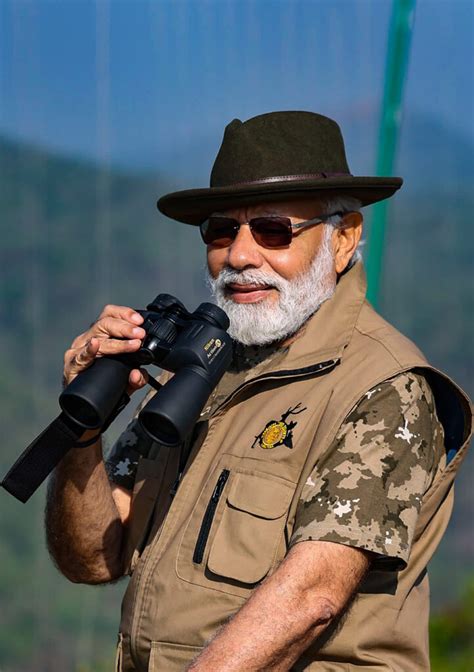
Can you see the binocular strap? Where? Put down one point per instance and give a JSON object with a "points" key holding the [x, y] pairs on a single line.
{"points": [[39, 459]]}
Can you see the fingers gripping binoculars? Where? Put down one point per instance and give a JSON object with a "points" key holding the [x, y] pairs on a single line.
{"points": [[194, 346]]}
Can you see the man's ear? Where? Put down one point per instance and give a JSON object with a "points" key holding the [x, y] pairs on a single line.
{"points": [[346, 238]]}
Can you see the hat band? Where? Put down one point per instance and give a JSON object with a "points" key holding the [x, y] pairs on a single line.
{"points": [[288, 178]]}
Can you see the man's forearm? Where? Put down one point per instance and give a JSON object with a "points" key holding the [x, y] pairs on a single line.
{"points": [[288, 611], [250, 642], [83, 526]]}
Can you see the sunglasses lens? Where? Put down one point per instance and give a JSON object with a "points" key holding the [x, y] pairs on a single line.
{"points": [[272, 231], [267, 231], [219, 231]]}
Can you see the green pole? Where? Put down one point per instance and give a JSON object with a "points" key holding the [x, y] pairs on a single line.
{"points": [[401, 26]]}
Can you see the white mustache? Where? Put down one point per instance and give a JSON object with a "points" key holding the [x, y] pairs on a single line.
{"points": [[247, 277], [265, 321]]}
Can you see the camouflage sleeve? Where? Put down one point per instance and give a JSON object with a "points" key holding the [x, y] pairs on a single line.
{"points": [[366, 491], [122, 461]]}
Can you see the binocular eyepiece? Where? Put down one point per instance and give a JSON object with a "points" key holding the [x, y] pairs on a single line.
{"points": [[194, 346]]}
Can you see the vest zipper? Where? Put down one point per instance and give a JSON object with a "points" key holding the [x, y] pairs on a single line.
{"points": [[209, 517], [314, 369], [143, 572]]}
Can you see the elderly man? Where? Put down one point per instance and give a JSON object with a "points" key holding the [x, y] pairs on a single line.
{"points": [[293, 528]]}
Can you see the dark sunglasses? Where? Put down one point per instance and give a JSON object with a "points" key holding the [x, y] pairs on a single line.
{"points": [[269, 231]]}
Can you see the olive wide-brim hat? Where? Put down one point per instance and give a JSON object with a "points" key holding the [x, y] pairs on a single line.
{"points": [[277, 156]]}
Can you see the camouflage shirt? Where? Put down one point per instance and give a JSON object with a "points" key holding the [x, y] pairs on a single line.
{"points": [[367, 489]]}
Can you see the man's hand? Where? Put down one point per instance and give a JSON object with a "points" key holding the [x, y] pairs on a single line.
{"points": [[288, 611], [116, 331], [85, 516]]}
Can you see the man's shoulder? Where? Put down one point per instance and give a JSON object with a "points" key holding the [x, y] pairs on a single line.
{"points": [[385, 404], [372, 326], [405, 388]]}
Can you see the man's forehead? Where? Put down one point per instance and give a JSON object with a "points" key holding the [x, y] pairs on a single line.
{"points": [[303, 208]]}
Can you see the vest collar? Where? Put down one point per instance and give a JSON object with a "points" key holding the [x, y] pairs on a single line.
{"points": [[320, 347], [329, 331]]}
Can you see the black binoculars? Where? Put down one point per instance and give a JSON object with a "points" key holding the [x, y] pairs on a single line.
{"points": [[194, 346]]}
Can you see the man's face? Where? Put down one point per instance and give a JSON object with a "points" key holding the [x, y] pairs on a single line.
{"points": [[245, 253], [268, 294]]}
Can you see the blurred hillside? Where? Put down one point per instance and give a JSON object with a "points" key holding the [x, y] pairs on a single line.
{"points": [[75, 236]]}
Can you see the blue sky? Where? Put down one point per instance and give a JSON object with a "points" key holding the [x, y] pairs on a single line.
{"points": [[142, 83]]}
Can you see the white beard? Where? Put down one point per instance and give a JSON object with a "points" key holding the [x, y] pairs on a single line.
{"points": [[266, 322]]}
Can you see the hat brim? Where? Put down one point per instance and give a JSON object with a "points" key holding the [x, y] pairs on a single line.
{"points": [[193, 206]]}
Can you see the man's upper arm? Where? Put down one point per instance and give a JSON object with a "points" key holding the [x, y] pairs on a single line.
{"points": [[366, 492]]}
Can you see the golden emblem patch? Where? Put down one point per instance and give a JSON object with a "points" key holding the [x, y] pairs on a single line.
{"points": [[278, 432], [274, 434]]}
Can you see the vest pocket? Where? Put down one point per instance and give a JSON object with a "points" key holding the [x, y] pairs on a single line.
{"points": [[236, 532], [246, 542], [167, 657]]}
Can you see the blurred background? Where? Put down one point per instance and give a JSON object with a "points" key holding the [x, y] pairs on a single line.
{"points": [[107, 104]]}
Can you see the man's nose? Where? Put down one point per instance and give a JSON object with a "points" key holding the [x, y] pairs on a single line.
{"points": [[244, 250]]}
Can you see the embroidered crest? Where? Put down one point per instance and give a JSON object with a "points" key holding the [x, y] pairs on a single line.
{"points": [[278, 432]]}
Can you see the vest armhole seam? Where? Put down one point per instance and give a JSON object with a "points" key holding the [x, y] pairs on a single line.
{"points": [[332, 432]]}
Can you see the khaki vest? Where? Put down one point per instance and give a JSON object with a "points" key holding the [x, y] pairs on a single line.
{"points": [[196, 555]]}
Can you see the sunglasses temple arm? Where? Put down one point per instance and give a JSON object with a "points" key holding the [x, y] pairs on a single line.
{"points": [[317, 220]]}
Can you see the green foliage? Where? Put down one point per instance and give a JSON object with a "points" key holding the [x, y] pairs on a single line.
{"points": [[452, 636]]}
